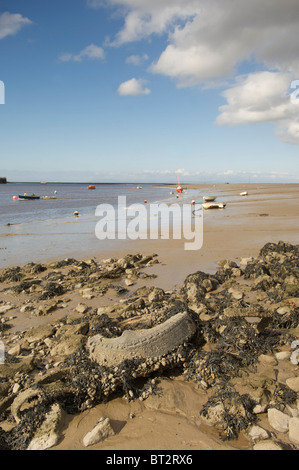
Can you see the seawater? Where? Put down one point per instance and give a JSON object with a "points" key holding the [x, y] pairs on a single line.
{"points": [[46, 229]]}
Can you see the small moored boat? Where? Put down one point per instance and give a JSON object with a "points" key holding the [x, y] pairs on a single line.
{"points": [[214, 205], [91, 186], [209, 198], [25, 197]]}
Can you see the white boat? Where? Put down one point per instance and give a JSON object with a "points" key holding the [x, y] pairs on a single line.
{"points": [[209, 198], [214, 205], [245, 193]]}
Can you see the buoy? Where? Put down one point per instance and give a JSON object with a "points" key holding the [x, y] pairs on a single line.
{"points": [[145, 201], [15, 198], [91, 187], [76, 213], [55, 192]]}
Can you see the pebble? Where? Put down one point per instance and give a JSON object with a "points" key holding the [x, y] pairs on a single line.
{"points": [[100, 432], [293, 383], [278, 420], [294, 431]]}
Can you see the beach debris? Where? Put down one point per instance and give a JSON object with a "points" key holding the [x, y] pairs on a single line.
{"points": [[150, 343], [232, 333]]}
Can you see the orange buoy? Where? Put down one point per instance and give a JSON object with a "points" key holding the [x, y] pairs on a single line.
{"points": [[145, 201], [15, 198]]}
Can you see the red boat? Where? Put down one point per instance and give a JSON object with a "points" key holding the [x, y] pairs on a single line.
{"points": [[91, 187]]}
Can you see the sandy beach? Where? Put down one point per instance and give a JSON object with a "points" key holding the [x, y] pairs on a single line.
{"points": [[170, 419]]}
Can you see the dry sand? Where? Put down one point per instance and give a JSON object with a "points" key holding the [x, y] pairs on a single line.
{"points": [[172, 421]]}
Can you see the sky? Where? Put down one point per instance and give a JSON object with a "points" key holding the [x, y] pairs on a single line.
{"points": [[149, 90]]}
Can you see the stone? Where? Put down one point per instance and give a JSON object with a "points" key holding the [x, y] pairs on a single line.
{"points": [[99, 433], [5, 308], [293, 383], [294, 431], [267, 445], [278, 420], [81, 308], [256, 433], [283, 355], [48, 434], [39, 333]]}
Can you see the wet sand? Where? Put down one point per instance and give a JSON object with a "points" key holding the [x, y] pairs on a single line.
{"points": [[172, 421]]}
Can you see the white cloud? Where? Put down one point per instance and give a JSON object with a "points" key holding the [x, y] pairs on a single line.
{"points": [[208, 41], [90, 52], [137, 59], [10, 23], [133, 87], [262, 97]]}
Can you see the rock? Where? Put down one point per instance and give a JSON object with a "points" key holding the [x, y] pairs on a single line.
{"points": [[100, 432], [294, 431], [283, 355], [256, 433], [5, 308], [293, 383], [156, 295], [267, 445], [267, 360], [87, 293], [23, 367], [235, 293], [81, 308], [39, 333], [48, 434], [278, 420]]}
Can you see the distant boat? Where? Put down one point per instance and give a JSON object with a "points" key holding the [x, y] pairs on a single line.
{"points": [[209, 198], [43, 182], [214, 205], [179, 188], [25, 197], [91, 187], [245, 193]]}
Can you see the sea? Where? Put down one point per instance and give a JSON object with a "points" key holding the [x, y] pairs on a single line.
{"points": [[47, 229]]}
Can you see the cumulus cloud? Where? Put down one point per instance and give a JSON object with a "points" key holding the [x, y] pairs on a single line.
{"points": [[137, 59], [133, 87], [208, 41], [11, 24], [90, 52], [262, 97]]}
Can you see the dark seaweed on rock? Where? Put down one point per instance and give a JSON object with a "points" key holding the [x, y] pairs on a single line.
{"points": [[236, 411], [11, 274], [51, 290]]}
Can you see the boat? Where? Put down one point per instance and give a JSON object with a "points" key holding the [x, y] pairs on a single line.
{"points": [[91, 186], [209, 198], [179, 188], [245, 193], [25, 197], [214, 205]]}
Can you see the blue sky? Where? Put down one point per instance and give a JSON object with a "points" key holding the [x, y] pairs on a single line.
{"points": [[137, 90]]}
